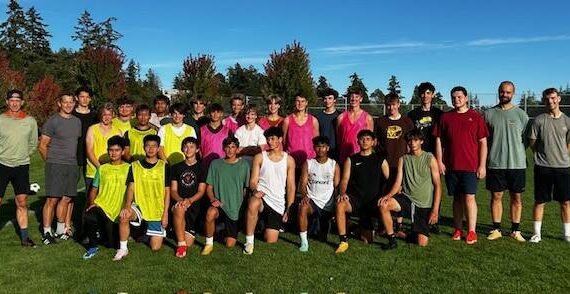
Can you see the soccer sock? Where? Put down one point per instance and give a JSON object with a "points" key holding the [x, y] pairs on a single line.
{"points": [[343, 238], [123, 245], [47, 230], [24, 234], [397, 227], [566, 227], [182, 244], [515, 227], [60, 229], [303, 236], [210, 240], [249, 239], [537, 226], [497, 226]]}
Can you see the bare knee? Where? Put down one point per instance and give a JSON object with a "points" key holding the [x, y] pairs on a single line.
{"points": [[20, 202], [254, 204], [212, 214]]}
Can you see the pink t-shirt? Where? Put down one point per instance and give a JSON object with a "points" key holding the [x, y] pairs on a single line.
{"points": [[460, 134], [211, 143], [299, 141], [232, 123], [347, 131]]}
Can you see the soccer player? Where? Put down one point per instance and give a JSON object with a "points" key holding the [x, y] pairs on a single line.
{"points": [[250, 135], [160, 116], [172, 134], [349, 123], [58, 148], [147, 199], [426, 115], [363, 179], [461, 153], [18, 140], [124, 119], [106, 197], [328, 120], [227, 180], [198, 117], [506, 163], [187, 186], [416, 193], [299, 129], [235, 119], [273, 189], [550, 141], [212, 135], [134, 149], [88, 117], [319, 180], [272, 118]]}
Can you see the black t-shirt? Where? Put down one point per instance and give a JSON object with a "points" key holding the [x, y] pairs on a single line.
{"points": [[327, 126], [366, 178], [424, 121], [87, 119], [147, 165], [188, 178]]}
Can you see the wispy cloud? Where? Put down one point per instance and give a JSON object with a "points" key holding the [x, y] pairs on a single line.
{"points": [[507, 41], [371, 47]]}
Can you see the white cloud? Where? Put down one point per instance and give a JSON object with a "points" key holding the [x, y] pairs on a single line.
{"points": [[506, 41]]}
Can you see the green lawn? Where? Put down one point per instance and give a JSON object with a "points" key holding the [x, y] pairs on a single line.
{"points": [[444, 266]]}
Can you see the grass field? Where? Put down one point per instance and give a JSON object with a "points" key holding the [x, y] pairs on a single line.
{"points": [[445, 266]]}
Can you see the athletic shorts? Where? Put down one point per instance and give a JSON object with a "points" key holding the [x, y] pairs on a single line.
{"points": [[550, 182], [419, 216], [499, 180], [155, 229], [61, 180], [365, 211], [461, 183], [271, 218], [19, 176], [231, 227], [191, 216]]}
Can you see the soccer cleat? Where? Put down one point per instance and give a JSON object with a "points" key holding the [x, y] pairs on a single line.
{"points": [[567, 238], [181, 251], [342, 247], [48, 239], [248, 249], [471, 238], [121, 253], [494, 235], [207, 249], [457, 234], [90, 253], [64, 236], [535, 239], [28, 243], [517, 236], [304, 247], [392, 243]]}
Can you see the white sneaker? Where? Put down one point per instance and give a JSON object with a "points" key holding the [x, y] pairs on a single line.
{"points": [[567, 238], [248, 249], [535, 239], [120, 254]]}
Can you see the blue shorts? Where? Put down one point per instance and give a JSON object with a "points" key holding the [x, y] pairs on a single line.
{"points": [[155, 229], [461, 183]]}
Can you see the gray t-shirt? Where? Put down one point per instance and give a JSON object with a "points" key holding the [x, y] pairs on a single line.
{"points": [[64, 134], [507, 131], [552, 137]]}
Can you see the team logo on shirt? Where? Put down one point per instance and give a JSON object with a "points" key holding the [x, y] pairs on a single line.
{"points": [[188, 178], [393, 132]]}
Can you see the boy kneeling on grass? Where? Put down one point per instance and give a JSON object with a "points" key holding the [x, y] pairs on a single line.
{"points": [[416, 192]]}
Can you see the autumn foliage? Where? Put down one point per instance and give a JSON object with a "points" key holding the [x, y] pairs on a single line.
{"points": [[42, 99]]}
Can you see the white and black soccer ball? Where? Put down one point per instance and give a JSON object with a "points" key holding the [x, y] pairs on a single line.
{"points": [[35, 187]]}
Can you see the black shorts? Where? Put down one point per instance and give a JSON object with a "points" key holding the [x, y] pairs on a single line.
{"points": [[365, 211], [231, 227], [191, 216], [271, 218], [550, 182], [461, 183], [19, 176], [419, 216], [499, 180]]}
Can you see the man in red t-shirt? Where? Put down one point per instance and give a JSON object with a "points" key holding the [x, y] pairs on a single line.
{"points": [[461, 153]]}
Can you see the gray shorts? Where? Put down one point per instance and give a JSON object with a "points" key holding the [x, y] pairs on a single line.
{"points": [[61, 180]]}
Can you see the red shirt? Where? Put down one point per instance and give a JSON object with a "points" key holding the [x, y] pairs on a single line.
{"points": [[460, 134]]}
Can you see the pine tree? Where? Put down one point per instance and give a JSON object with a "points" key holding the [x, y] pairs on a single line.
{"points": [[378, 96], [357, 83], [86, 31], [152, 84], [37, 35], [322, 86], [12, 31], [245, 80], [109, 35], [394, 85]]}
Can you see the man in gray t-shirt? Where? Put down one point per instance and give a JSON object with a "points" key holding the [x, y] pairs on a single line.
{"points": [[58, 148], [506, 161], [549, 138]]}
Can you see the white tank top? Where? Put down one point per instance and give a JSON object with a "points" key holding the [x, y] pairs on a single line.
{"points": [[320, 186], [272, 181]]}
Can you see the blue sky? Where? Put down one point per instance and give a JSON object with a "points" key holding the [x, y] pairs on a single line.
{"points": [[476, 44]]}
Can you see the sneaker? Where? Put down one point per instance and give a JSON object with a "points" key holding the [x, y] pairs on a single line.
{"points": [[181, 251], [304, 247], [48, 239], [535, 239], [517, 236], [248, 249], [471, 238], [342, 247], [28, 243], [392, 244], [435, 229], [120, 254], [90, 253], [65, 236], [567, 238], [494, 235], [457, 234], [208, 249]]}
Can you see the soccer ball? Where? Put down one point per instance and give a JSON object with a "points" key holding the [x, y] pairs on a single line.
{"points": [[35, 187]]}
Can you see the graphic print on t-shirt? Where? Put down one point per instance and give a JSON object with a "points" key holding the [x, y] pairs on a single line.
{"points": [[188, 178], [393, 132]]}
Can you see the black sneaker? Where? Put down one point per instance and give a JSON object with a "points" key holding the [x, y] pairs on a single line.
{"points": [[48, 239], [29, 243], [392, 243], [64, 236], [434, 229]]}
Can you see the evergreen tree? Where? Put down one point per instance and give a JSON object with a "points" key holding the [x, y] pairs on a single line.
{"points": [[151, 85], [322, 86], [357, 83], [13, 31], [109, 35], [378, 96], [95, 35], [37, 35], [245, 80], [394, 85]]}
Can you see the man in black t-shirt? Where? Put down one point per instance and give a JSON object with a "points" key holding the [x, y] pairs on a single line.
{"points": [[426, 115], [327, 120]]}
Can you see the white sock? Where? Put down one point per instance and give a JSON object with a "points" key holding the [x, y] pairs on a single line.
{"points": [[181, 243], [123, 245], [209, 240], [47, 230], [537, 226], [566, 229], [60, 229], [303, 236], [249, 239]]}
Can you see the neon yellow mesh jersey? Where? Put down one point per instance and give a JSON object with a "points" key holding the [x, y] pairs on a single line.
{"points": [[100, 147], [111, 182], [136, 144], [172, 143], [149, 189]]}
